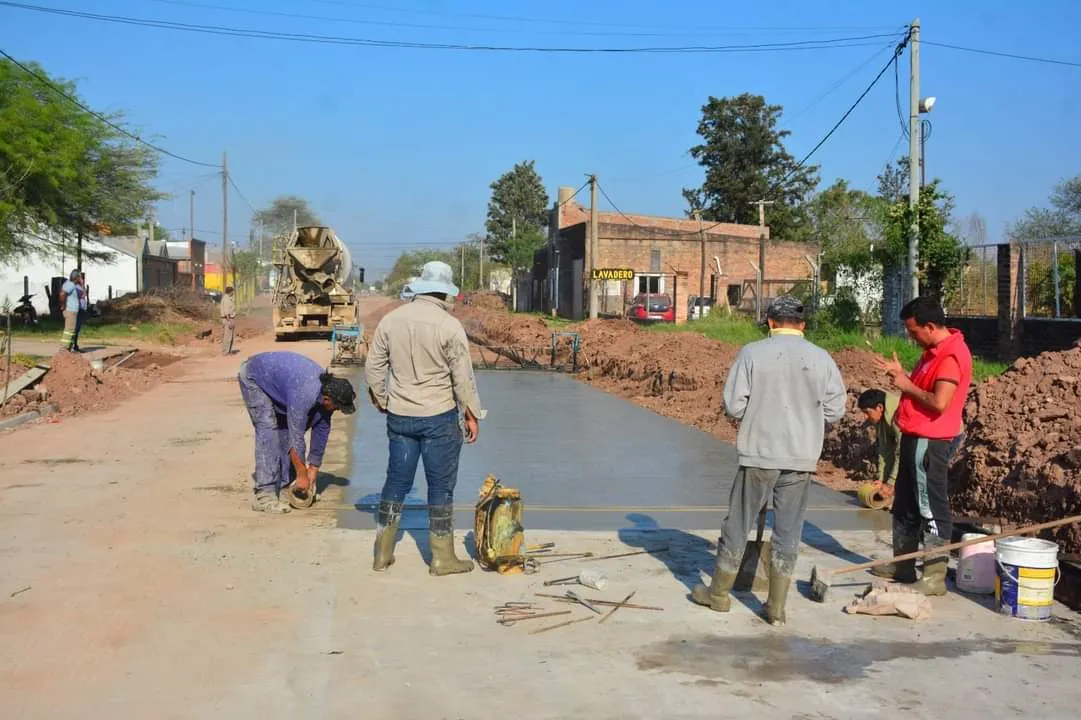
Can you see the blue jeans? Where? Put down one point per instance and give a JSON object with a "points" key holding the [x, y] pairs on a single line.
{"points": [[273, 469], [438, 441]]}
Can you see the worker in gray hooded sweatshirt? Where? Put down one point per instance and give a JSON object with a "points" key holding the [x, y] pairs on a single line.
{"points": [[783, 390]]}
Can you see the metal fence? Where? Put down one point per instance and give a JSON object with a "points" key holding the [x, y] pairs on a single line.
{"points": [[1049, 275], [976, 293], [1043, 269]]}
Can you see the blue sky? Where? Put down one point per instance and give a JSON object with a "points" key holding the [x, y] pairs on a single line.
{"points": [[395, 148]]}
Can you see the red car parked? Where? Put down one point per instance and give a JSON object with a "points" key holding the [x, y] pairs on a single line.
{"points": [[652, 308]]}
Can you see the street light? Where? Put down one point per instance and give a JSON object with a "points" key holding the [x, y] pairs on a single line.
{"points": [[925, 131]]}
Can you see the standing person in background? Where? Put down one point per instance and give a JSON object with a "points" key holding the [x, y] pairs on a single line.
{"points": [[69, 300], [228, 320], [783, 390], [929, 417], [84, 307], [420, 373]]}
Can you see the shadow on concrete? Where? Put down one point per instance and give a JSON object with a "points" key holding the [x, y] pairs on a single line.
{"points": [[326, 479], [688, 555]]}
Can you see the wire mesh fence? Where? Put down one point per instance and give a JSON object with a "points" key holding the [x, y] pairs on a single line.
{"points": [[1049, 276], [976, 293]]}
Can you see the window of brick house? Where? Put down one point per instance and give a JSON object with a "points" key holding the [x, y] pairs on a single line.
{"points": [[655, 261], [652, 284]]}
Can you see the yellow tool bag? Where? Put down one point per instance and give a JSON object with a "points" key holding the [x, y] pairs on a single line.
{"points": [[497, 528]]}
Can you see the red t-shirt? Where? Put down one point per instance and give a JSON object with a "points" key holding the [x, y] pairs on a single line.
{"points": [[949, 361]]}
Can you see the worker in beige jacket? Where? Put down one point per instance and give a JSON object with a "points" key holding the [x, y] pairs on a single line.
{"points": [[228, 321], [420, 374]]}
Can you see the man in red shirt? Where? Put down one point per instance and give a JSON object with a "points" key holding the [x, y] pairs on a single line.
{"points": [[929, 417]]}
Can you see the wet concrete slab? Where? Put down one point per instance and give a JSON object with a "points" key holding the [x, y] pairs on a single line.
{"points": [[584, 460]]}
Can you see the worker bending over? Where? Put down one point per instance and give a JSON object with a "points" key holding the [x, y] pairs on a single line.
{"points": [[287, 394], [880, 409], [930, 419], [419, 373], [784, 390]]}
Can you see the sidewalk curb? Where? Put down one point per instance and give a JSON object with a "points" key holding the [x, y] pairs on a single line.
{"points": [[14, 422]]}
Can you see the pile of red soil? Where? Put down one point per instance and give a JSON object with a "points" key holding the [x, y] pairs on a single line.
{"points": [[74, 387], [485, 300], [1021, 461]]}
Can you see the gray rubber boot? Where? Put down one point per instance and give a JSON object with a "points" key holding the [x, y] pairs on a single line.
{"points": [[716, 596], [905, 540], [441, 537], [386, 534]]}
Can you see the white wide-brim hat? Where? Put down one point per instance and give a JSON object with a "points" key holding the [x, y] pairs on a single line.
{"points": [[435, 277]]}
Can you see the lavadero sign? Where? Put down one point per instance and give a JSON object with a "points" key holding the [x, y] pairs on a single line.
{"points": [[612, 274]]}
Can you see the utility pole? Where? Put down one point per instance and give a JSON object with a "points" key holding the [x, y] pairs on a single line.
{"points": [[915, 129], [191, 216], [224, 219], [463, 266], [480, 266], [514, 270], [702, 263], [760, 281], [594, 300]]}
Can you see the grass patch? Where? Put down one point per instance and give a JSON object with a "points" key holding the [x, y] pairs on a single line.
{"points": [[552, 322], [736, 330], [97, 329]]}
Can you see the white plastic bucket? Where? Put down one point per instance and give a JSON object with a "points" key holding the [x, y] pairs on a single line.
{"points": [[976, 569], [1027, 575]]}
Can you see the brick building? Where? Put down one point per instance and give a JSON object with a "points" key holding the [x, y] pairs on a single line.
{"points": [[658, 250]]}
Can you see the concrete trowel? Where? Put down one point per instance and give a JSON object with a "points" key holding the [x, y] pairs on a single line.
{"points": [[754, 568]]}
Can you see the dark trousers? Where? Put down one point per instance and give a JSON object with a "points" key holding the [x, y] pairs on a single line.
{"points": [[921, 504], [436, 440]]}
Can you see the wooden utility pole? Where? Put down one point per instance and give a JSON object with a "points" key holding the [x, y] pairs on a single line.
{"points": [[191, 217], [702, 263], [594, 299], [480, 264], [760, 285], [224, 220]]}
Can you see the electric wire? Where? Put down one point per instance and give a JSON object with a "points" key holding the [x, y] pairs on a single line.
{"points": [[997, 53], [652, 32], [772, 191], [44, 80], [797, 45]]}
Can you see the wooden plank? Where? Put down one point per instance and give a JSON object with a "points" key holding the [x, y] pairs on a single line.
{"points": [[24, 381]]}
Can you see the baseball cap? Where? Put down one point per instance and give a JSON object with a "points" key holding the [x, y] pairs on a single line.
{"points": [[341, 392], [785, 307]]}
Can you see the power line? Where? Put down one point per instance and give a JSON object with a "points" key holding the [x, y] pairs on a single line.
{"points": [[897, 98], [615, 207], [841, 81], [238, 192], [828, 44], [62, 93], [698, 32], [576, 22], [996, 53], [893, 59]]}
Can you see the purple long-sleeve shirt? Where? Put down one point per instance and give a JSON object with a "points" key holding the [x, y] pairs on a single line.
{"points": [[291, 381]]}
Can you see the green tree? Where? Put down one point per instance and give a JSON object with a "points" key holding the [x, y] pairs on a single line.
{"points": [[844, 222], [745, 160], [409, 264], [277, 219], [64, 173], [941, 257], [517, 216]]}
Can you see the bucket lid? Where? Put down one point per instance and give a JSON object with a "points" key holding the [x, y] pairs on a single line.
{"points": [[1026, 544]]}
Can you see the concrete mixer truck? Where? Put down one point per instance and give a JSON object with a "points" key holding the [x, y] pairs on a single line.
{"points": [[314, 292]]}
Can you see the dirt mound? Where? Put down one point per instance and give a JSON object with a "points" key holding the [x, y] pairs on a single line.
{"points": [[160, 306], [485, 300], [75, 387], [1021, 460]]}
